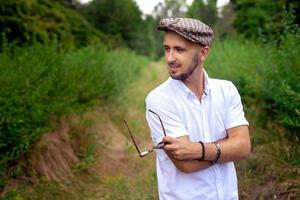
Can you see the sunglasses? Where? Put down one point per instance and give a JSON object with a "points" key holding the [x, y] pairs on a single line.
{"points": [[150, 150]]}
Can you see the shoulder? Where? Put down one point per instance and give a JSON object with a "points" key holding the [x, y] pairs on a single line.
{"points": [[161, 92], [226, 87], [220, 83]]}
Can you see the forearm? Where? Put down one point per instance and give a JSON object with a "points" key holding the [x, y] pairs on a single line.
{"points": [[185, 154], [231, 150], [189, 166], [235, 147]]}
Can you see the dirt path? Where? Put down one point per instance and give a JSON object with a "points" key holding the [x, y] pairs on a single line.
{"points": [[119, 149], [102, 162], [118, 159]]}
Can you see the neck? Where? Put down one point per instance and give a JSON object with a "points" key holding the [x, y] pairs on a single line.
{"points": [[195, 82]]}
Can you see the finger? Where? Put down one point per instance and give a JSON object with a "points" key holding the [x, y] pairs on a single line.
{"points": [[168, 140], [167, 147], [170, 147]]}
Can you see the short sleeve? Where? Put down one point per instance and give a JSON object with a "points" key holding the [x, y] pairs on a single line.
{"points": [[163, 106], [234, 114]]}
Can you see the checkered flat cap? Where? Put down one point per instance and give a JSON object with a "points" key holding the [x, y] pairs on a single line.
{"points": [[192, 29]]}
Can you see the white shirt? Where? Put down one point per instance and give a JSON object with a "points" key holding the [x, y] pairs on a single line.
{"points": [[207, 120]]}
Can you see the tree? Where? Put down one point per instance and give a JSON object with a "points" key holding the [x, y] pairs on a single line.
{"points": [[120, 18], [206, 12], [224, 25], [255, 18], [29, 21], [170, 8]]}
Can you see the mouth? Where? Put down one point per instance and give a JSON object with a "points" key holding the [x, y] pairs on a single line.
{"points": [[173, 65]]}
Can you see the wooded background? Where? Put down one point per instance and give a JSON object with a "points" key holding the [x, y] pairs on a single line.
{"points": [[59, 58]]}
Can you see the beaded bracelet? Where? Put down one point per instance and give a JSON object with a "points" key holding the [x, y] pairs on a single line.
{"points": [[218, 155], [203, 151]]}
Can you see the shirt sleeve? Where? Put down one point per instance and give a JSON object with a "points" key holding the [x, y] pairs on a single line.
{"points": [[234, 115], [163, 106]]}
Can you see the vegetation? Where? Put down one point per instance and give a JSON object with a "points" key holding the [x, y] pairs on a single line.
{"points": [[29, 21], [207, 12], [271, 103], [78, 69], [257, 18], [40, 84], [118, 18], [266, 73]]}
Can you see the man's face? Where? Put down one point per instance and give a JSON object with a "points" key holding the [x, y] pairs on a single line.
{"points": [[183, 57]]}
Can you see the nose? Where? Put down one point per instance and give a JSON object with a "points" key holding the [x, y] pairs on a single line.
{"points": [[170, 56]]}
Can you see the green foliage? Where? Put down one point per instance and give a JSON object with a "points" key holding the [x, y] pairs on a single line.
{"points": [[224, 26], [281, 89], [204, 11], [170, 8], [120, 18], [120, 187], [44, 191], [268, 74], [263, 17], [153, 39], [42, 83], [271, 73], [12, 195], [74, 25], [267, 77], [29, 21], [240, 61]]}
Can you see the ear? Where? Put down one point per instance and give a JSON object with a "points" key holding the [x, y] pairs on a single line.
{"points": [[204, 52]]}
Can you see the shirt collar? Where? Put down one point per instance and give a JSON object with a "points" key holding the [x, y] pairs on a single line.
{"points": [[187, 91]]}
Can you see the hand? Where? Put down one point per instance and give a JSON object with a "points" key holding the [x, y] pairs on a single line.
{"points": [[181, 148]]}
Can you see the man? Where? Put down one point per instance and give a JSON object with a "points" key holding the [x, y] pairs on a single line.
{"points": [[203, 118]]}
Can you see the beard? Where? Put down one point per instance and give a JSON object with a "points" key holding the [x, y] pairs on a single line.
{"points": [[183, 76]]}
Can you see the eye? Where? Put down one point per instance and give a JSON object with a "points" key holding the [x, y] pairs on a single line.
{"points": [[180, 50], [167, 49]]}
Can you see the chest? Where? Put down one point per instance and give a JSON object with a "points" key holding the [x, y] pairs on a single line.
{"points": [[204, 120]]}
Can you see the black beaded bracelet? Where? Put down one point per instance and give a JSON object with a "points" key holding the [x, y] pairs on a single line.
{"points": [[218, 153], [203, 151]]}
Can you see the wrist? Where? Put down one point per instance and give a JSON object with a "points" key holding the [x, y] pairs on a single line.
{"points": [[211, 151], [202, 151], [197, 151], [218, 155]]}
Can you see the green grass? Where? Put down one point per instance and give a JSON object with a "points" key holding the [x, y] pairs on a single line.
{"points": [[267, 78], [271, 171], [266, 73], [40, 84]]}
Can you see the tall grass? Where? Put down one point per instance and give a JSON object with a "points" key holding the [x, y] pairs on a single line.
{"points": [[281, 90], [240, 61], [39, 84], [268, 78], [267, 73], [42, 83]]}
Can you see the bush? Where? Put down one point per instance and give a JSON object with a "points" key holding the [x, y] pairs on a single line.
{"points": [[240, 61], [281, 83], [44, 21], [42, 83], [265, 74]]}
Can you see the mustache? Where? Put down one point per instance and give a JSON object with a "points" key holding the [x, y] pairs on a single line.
{"points": [[174, 64]]}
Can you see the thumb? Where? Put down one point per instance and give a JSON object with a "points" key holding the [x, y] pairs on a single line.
{"points": [[168, 140]]}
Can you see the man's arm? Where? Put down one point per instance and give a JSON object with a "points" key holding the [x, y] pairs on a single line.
{"points": [[184, 153]]}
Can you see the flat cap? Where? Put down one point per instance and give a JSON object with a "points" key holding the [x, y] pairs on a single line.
{"points": [[192, 29]]}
